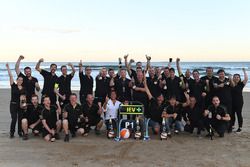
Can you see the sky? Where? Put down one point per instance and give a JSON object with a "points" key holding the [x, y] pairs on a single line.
{"points": [[103, 30]]}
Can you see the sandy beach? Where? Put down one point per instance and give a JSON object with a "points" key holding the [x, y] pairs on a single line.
{"points": [[182, 150]]}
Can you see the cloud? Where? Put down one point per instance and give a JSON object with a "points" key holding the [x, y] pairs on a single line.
{"points": [[47, 29]]}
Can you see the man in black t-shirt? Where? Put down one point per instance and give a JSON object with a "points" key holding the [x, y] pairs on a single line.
{"points": [[173, 114], [216, 115], [156, 107], [64, 84], [50, 78], [193, 116], [50, 120], [31, 118], [92, 113], [29, 82], [122, 87], [73, 119], [86, 81], [153, 83]]}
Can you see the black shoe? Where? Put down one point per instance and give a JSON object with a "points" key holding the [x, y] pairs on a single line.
{"points": [[239, 130], [97, 132], [12, 135], [73, 135], [221, 135], [57, 137], [20, 134], [66, 138], [25, 137]]}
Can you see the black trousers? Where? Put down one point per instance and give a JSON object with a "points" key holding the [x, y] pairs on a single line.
{"points": [[219, 126], [16, 116], [237, 110]]}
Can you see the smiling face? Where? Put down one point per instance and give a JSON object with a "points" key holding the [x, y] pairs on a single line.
{"points": [[64, 70], [34, 100], [221, 75], [73, 99], [53, 68], [46, 102], [123, 73], [236, 78], [209, 72], [88, 71], [196, 75], [27, 72], [188, 73], [90, 99], [19, 81]]}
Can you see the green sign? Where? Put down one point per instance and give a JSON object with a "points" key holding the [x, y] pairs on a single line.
{"points": [[131, 109]]}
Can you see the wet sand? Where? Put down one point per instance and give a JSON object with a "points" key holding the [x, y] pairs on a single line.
{"points": [[182, 150]]}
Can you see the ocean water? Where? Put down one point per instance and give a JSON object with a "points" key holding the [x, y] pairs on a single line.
{"points": [[229, 67]]}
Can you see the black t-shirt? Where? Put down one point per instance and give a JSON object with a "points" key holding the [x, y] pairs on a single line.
{"points": [[91, 111], [175, 109], [153, 86], [193, 114], [122, 89], [73, 113], [211, 80], [155, 110], [64, 84], [220, 110], [196, 89], [237, 97], [29, 84], [86, 84], [174, 88], [140, 96], [50, 116], [34, 113], [102, 87], [49, 83], [16, 92], [224, 93]]}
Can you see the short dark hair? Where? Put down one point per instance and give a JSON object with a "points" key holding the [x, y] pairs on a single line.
{"points": [[220, 70], [27, 68], [63, 66], [172, 97], [172, 69], [34, 95], [195, 70], [138, 63], [73, 94], [53, 64], [110, 69]]}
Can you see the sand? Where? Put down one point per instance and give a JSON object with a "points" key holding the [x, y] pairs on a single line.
{"points": [[181, 150]]}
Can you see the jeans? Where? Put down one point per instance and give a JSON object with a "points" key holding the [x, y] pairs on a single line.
{"points": [[178, 124]]}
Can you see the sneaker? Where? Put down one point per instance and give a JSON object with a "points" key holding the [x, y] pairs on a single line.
{"points": [[25, 137], [20, 134], [66, 138], [73, 135], [53, 139], [176, 131], [238, 130], [97, 132]]}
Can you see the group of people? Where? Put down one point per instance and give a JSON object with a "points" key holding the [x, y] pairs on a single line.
{"points": [[183, 101]]}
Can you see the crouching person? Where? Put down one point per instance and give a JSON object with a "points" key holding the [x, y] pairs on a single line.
{"points": [[92, 114], [31, 118], [50, 120], [217, 117], [73, 119], [173, 114]]}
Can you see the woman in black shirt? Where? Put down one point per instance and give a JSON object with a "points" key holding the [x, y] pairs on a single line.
{"points": [[237, 98], [16, 91]]}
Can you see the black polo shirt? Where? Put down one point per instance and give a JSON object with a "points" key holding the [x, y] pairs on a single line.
{"points": [[73, 113], [50, 116], [174, 88], [220, 110], [237, 97], [175, 109], [49, 83], [91, 111], [193, 114], [155, 110], [34, 113], [64, 84], [102, 87], [122, 89], [196, 89], [29, 84], [16, 92], [153, 86], [224, 93], [86, 84]]}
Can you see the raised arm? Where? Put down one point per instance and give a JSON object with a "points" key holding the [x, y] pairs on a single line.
{"points": [[72, 68], [17, 66], [38, 65], [10, 74], [178, 66], [147, 90], [245, 76], [187, 100], [148, 63]]}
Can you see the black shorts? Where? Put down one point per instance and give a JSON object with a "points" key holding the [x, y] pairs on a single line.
{"points": [[38, 127], [94, 122]]}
